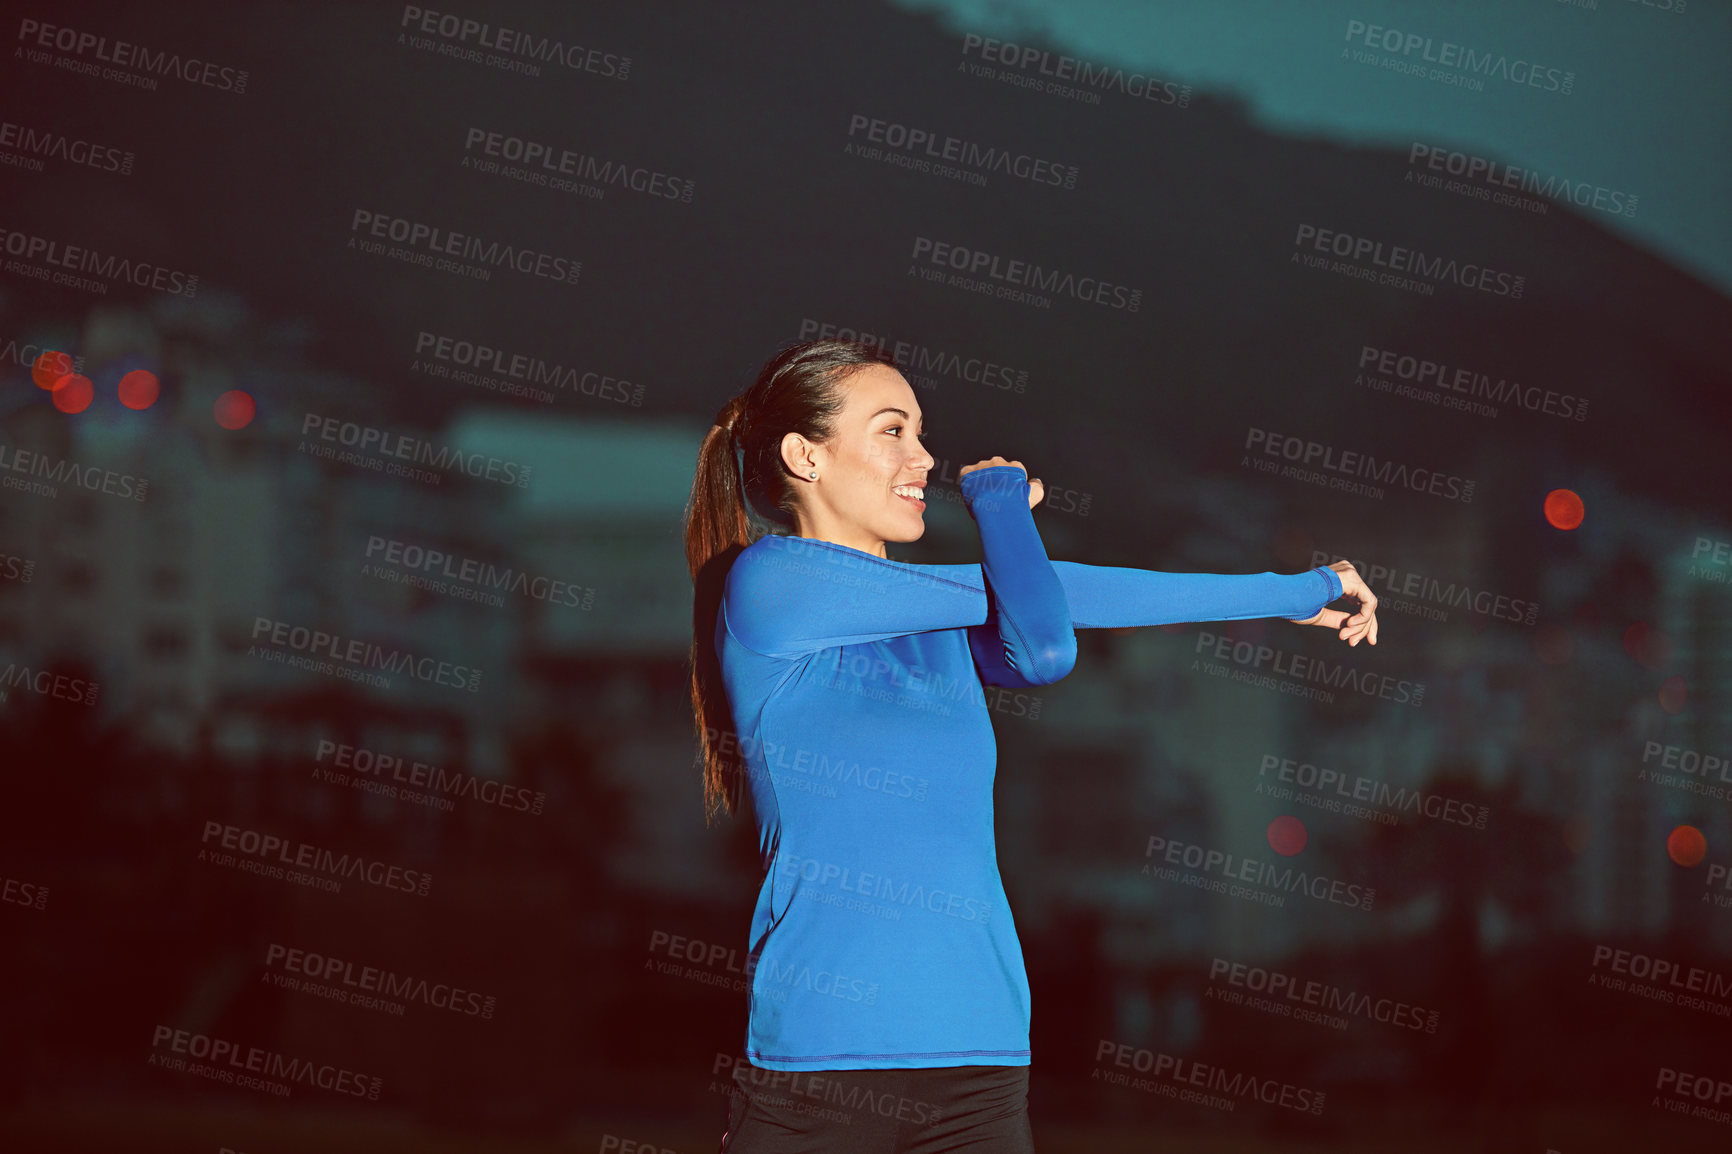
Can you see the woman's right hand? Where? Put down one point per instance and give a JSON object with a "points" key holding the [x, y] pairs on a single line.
{"points": [[1360, 626], [1035, 489]]}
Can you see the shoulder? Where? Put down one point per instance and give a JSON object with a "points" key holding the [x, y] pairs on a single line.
{"points": [[767, 567]]}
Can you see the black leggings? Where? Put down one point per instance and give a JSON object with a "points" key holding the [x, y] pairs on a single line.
{"points": [[982, 1109]]}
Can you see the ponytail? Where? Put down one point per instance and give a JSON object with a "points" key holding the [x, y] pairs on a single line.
{"points": [[798, 391], [717, 528]]}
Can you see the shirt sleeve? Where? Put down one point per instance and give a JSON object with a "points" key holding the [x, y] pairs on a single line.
{"points": [[1119, 597], [786, 596], [1114, 597]]}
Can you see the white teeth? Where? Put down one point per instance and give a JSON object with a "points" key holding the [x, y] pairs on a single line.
{"points": [[909, 491]]}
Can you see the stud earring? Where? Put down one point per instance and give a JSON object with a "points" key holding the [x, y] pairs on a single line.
{"points": [[813, 474]]}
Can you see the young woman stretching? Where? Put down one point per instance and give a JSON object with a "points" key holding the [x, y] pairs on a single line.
{"points": [[843, 688]]}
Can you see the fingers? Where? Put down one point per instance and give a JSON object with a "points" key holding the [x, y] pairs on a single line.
{"points": [[991, 462], [1362, 626]]}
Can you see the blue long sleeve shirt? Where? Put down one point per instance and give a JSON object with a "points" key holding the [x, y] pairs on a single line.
{"points": [[882, 937]]}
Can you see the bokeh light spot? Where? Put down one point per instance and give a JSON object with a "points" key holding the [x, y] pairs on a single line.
{"points": [[1564, 509], [73, 393], [1650, 647], [1673, 694], [1686, 845], [234, 409], [139, 389], [1287, 835], [49, 368]]}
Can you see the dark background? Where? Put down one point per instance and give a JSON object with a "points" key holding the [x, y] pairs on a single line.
{"points": [[573, 917]]}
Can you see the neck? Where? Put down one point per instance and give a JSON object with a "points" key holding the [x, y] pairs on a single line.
{"points": [[838, 534]]}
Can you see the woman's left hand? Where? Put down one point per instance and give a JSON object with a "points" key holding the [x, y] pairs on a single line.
{"points": [[1360, 626]]}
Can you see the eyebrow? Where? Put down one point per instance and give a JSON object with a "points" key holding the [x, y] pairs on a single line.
{"points": [[899, 412]]}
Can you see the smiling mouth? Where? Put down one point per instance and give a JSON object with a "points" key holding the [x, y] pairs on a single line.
{"points": [[913, 494]]}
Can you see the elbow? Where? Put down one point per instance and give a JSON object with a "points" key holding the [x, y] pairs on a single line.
{"points": [[1052, 662]]}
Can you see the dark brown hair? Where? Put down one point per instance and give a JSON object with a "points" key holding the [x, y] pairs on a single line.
{"points": [[798, 391]]}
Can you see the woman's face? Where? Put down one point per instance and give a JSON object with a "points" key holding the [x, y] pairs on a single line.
{"points": [[875, 451]]}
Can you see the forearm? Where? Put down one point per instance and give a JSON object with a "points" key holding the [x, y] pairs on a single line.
{"points": [[1026, 599], [1114, 597]]}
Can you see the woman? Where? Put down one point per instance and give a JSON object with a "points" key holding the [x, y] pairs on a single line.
{"points": [[844, 688]]}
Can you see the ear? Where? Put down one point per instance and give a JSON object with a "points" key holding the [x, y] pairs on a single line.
{"points": [[798, 454]]}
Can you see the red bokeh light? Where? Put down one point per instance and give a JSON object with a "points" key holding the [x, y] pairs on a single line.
{"points": [[1564, 509], [139, 389], [49, 368], [73, 393], [1686, 845], [234, 409], [1287, 835]]}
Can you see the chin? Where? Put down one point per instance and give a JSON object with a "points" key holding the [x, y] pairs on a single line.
{"points": [[907, 535]]}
